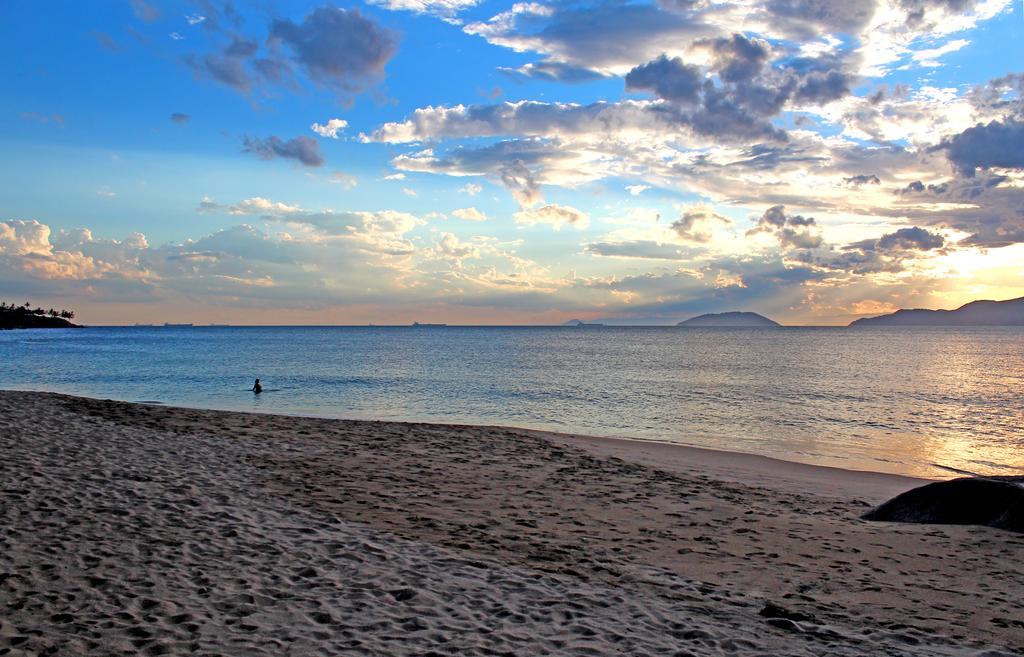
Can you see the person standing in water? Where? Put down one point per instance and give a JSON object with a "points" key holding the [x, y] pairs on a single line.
{"points": [[256, 387]]}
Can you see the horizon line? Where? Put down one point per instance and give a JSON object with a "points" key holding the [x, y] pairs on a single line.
{"points": [[446, 325]]}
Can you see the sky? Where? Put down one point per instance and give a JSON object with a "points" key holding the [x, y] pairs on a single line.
{"points": [[484, 162]]}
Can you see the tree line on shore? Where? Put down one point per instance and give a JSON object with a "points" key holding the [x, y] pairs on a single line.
{"points": [[26, 309]]}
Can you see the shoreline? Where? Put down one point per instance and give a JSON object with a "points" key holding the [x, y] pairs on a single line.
{"points": [[745, 461], [149, 529], [744, 467]]}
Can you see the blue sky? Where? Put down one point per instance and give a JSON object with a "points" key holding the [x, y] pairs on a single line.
{"points": [[495, 162]]}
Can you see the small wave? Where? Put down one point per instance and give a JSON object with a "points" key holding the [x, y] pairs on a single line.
{"points": [[998, 466], [956, 470]]}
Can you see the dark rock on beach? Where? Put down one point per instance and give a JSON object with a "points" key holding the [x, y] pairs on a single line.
{"points": [[989, 501]]}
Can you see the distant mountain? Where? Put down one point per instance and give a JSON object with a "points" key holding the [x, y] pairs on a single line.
{"points": [[976, 313], [579, 323], [752, 320]]}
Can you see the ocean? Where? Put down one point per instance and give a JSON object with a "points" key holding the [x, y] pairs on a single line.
{"points": [[920, 401]]}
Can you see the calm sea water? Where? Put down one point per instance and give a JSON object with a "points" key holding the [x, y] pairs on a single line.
{"points": [[913, 401]]}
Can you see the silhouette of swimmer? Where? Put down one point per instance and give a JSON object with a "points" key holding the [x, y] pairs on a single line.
{"points": [[256, 387]]}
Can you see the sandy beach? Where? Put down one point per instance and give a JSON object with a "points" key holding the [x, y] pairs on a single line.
{"points": [[143, 529]]}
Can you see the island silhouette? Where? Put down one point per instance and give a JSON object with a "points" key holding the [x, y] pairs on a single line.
{"points": [[735, 319], [975, 313]]}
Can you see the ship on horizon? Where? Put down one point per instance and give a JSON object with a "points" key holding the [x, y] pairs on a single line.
{"points": [[418, 325], [169, 325]]}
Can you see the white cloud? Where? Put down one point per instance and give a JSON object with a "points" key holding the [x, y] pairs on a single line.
{"points": [[261, 206], [699, 224], [409, 192], [607, 38], [395, 176], [445, 9], [636, 190], [24, 237], [471, 188], [896, 29], [329, 129], [554, 215], [571, 145], [469, 214], [922, 117], [255, 206], [337, 257], [31, 254], [452, 248], [827, 45], [930, 57], [531, 118]]}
